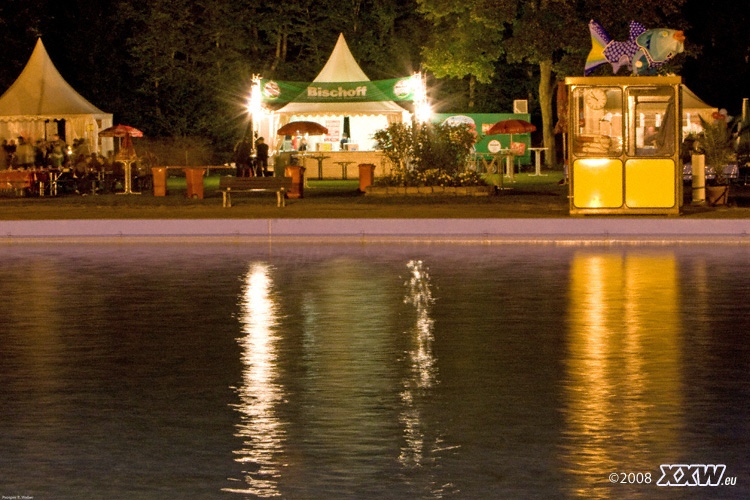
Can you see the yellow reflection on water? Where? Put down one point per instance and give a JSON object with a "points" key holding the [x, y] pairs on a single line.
{"points": [[622, 388], [260, 429]]}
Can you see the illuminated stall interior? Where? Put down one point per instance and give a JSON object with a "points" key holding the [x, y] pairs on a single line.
{"points": [[624, 147], [359, 120]]}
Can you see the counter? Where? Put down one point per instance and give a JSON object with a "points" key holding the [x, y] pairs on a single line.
{"points": [[329, 163]]}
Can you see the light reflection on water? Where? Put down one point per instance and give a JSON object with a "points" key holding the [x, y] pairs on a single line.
{"points": [[623, 388], [260, 429], [365, 372]]}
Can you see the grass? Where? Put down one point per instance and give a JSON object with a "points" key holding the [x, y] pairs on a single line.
{"points": [[528, 197]]}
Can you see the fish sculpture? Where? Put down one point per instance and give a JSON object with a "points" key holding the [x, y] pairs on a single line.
{"points": [[643, 52]]}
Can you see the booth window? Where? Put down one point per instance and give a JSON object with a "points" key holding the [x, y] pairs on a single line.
{"points": [[600, 121], [652, 118]]}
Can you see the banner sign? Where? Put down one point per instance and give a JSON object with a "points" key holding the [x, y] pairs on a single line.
{"points": [[482, 122], [398, 89]]}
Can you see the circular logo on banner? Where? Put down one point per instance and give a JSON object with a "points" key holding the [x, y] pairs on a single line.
{"points": [[402, 89], [458, 120], [494, 146], [271, 90]]}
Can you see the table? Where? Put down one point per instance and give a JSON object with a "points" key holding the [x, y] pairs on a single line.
{"points": [[320, 159], [128, 184], [510, 168], [344, 164], [538, 160], [506, 154], [304, 169], [16, 179]]}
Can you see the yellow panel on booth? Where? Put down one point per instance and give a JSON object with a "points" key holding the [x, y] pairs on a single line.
{"points": [[597, 183], [649, 183]]}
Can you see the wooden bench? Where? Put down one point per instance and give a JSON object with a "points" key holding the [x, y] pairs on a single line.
{"points": [[279, 185]]}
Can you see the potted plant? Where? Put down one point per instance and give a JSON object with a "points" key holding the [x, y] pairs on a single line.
{"points": [[715, 143]]}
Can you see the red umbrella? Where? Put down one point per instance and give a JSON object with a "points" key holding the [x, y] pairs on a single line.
{"points": [[301, 128], [511, 127], [121, 131], [126, 148]]}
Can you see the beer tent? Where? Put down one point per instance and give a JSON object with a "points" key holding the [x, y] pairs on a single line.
{"points": [[693, 107], [364, 117], [40, 98]]}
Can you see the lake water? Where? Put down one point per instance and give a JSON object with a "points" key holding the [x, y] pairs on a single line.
{"points": [[369, 371]]}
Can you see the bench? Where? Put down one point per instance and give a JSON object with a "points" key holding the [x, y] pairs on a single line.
{"points": [[279, 185]]}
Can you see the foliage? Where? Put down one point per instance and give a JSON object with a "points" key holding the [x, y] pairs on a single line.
{"points": [[431, 177], [427, 154], [396, 142], [426, 146], [446, 147], [183, 67], [715, 142], [175, 151], [465, 37]]}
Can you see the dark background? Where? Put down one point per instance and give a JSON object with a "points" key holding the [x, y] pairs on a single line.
{"points": [[183, 68]]}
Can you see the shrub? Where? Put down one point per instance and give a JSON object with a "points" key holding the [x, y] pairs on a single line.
{"points": [[432, 177], [176, 151], [426, 146]]}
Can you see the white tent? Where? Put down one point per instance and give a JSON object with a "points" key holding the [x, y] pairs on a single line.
{"points": [[365, 117], [40, 98], [693, 107]]}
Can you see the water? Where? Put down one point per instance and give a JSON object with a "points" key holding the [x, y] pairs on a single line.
{"points": [[369, 372]]}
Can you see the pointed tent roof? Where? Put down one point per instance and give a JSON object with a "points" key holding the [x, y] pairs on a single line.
{"points": [[690, 100], [342, 67], [40, 92]]}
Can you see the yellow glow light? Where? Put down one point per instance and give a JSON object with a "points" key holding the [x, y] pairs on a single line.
{"points": [[254, 103], [422, 109]]}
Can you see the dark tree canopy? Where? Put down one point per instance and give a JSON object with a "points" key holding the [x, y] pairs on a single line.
{"points": [[179, 67]]}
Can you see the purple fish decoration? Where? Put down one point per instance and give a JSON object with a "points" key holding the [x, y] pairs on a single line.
{"points": [[643, 52]]}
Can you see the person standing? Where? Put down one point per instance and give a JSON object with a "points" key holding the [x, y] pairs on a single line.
{"points": [[242, 153], [10, 151], [4, 155], [261, 157], [25, 153]]}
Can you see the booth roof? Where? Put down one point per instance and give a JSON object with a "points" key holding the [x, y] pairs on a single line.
{"points": [[341, 67], [40, 92]]}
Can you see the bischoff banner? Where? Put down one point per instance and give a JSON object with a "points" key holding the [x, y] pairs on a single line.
{"points": [[397, 89]]}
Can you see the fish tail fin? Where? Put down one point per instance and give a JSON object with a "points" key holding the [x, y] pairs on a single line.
{"points": [[599, 41]]}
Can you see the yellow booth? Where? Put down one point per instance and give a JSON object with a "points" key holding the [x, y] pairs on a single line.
{"points": [[624, 148]]}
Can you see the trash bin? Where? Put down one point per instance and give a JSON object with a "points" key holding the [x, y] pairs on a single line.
{"points": [[297, 174], [159, 175], [194, 178], [366, 175]]}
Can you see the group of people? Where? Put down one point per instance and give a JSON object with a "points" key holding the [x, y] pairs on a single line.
{"points": [[249, 164], [22, 153], [73, 169]]}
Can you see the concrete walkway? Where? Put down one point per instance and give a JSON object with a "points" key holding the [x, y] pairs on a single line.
{"points": [[603, 230]]}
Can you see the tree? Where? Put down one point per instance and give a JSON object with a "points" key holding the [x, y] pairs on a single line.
{"points": [[465, 39], [188, 57], [542, 33], [553, 35]]}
